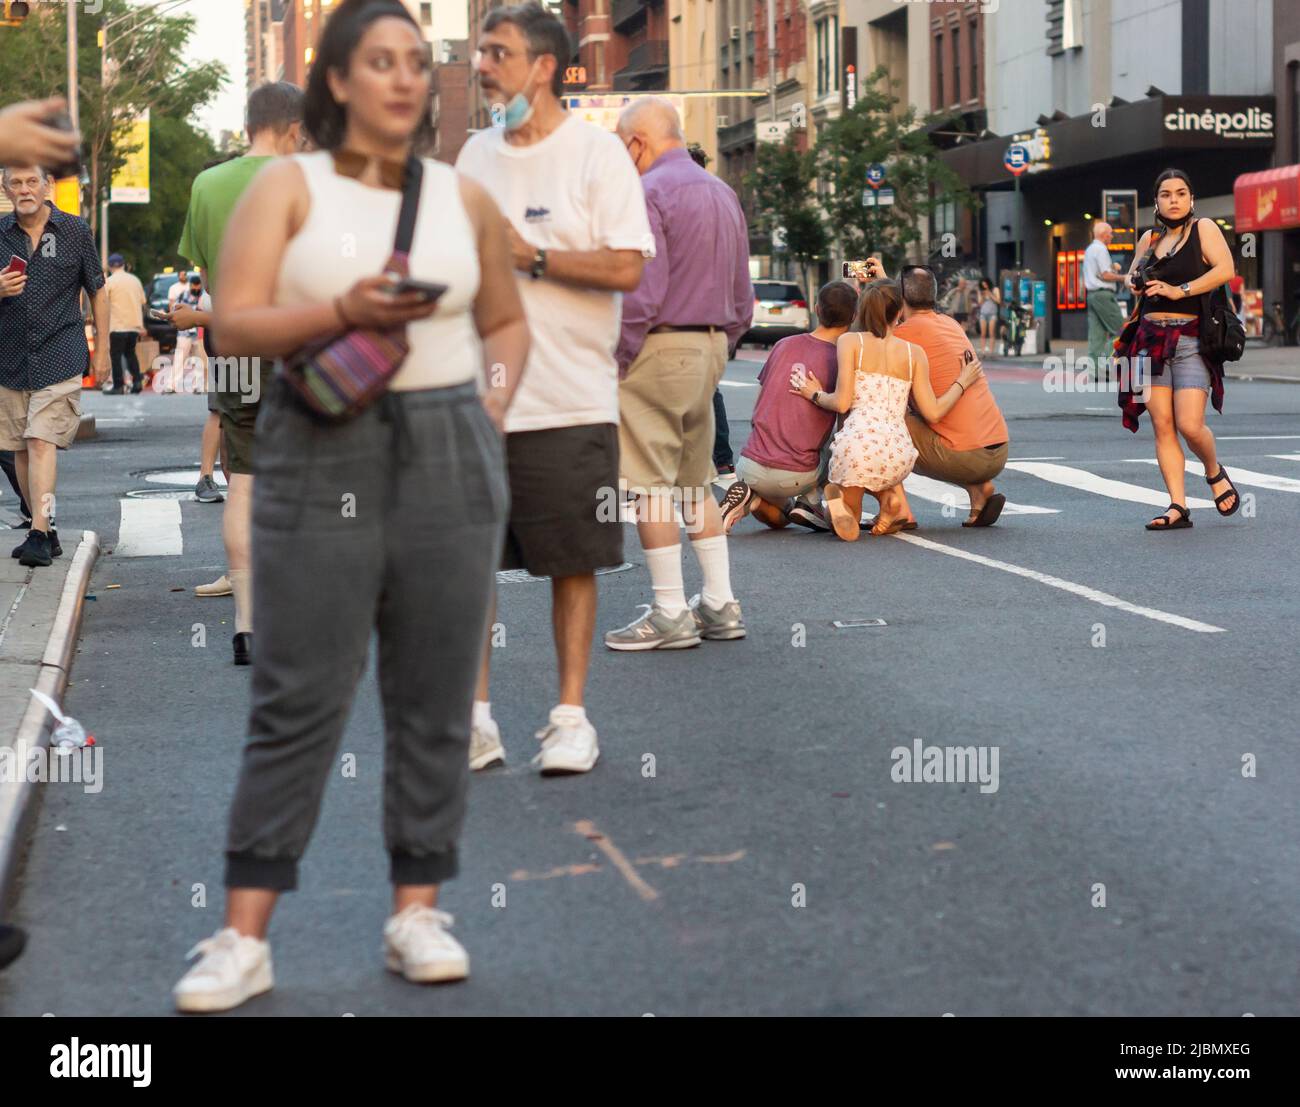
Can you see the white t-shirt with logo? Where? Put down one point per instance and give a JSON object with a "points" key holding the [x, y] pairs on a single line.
{"points": [[576, 189]]}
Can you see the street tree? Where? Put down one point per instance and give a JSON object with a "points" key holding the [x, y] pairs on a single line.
{"points": [[782, 187]]}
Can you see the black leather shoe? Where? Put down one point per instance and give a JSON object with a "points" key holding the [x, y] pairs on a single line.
{"points": [[55, 549], [243, 643], [36, 550], [12, 941]]}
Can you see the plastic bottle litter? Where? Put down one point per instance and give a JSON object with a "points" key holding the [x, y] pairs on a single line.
{"points": [[69, 735]]}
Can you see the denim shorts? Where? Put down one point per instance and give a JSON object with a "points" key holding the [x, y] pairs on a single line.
{"points": [[1186, 369]]}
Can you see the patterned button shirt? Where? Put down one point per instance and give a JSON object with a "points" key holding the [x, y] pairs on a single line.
{"points": [[42, 332]]}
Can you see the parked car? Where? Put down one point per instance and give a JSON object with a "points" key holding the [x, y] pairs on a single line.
{"points": [[156, 293], [780, 310]]}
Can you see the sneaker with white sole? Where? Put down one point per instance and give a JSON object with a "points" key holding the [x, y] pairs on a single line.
{"points": [[718, 624], [417, 945], [566, 747], [485, 748], [655, 629], [234, 968], [735, 505]]}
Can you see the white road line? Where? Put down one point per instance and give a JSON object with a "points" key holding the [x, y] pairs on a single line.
{"points": [[924, 488], [1248, 477], [1061, 458], [1082, 590], [1286, 457], [150, 528], [738, 384], [1090, 482], [1253, 437]]}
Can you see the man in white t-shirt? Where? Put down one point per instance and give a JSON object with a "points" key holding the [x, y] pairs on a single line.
{"points": [[580, 235], [1105, 319], [173, 293], [189, 361]]}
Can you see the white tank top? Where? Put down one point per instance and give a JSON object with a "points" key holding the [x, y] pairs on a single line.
{"points": [[349, 235]]}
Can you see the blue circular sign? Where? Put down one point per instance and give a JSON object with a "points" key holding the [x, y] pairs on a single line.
{"points": [[1016, 158], [875, 175]]}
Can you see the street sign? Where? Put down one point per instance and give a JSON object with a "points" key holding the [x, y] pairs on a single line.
{"points": [[1016, 159], [850, 86], [885, 196], [771, 131], [868, 198], [875, 175]]}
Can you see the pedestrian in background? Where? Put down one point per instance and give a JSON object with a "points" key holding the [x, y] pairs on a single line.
{"points": [[126, 304], [1105, 320], [990, 301], [416, 554], [579, 235], [43, 351], [694, 302], [274, 125], [188, 346]]}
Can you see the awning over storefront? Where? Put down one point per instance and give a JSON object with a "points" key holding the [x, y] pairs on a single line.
{"points": [[1268, 200]]}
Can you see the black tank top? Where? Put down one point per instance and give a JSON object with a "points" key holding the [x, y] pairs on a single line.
{"points": [[1181, 267]]}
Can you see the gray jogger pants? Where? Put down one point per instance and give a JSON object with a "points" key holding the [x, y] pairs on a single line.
{"points": [[393, 523]]}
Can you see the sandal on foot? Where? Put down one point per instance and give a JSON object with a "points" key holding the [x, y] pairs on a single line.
{"points": [[844, 522], [1232, 491], [988, 514], [908, 524], [893, 526], [1161, 522]]}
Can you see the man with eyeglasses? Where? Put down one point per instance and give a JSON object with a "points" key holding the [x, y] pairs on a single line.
{"points": [[579, 233]]}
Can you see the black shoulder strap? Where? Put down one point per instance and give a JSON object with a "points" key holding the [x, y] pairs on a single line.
{"points": [[410, 205]]}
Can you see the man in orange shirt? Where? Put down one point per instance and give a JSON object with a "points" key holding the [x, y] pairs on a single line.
{"points": [[969, 445]]}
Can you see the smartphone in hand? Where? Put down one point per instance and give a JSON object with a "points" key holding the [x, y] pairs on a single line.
{"points": [[16, 265], [429, 290]]}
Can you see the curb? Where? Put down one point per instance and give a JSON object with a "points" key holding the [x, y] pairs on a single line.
{"points": [[16, 799]]}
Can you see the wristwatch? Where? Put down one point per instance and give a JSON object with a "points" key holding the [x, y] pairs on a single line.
{"points": [[539, 265], [1186, 289]]}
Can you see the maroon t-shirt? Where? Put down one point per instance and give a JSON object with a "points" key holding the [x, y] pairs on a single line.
{"points": [[788, 432]]}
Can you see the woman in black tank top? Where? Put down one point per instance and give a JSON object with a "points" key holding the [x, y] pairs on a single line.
{"points": [[1175, 268]]}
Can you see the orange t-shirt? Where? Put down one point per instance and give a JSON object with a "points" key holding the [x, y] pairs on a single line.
{"points": [[975, 420]]}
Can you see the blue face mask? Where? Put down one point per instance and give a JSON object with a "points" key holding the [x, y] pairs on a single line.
{"points": [[520, 109]]}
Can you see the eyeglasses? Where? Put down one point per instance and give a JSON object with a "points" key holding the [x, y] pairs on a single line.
{"points": [[498, 54]]}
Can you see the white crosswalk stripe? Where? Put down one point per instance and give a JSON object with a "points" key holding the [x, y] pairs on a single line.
{"points": [[1085, 481], [149, 528], [1247, 477], [924, 488]]}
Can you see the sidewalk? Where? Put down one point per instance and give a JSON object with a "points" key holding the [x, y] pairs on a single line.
{"points": [[1259, 362], [40, 622]]}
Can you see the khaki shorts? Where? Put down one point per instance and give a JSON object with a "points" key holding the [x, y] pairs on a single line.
{"points": [[238, 412], [666, 429], [51, 414], [939, 461]]}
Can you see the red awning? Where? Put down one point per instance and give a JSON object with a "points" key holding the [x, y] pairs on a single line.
{"points": [[1269, 200]]}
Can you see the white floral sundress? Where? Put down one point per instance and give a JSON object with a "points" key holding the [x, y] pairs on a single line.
{"points": [[873, 450]]}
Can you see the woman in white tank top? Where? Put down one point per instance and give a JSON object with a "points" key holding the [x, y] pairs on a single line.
{"points": [[391, 522]]}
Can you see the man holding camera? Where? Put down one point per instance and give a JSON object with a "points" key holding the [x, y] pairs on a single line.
{"points": [[49, 259]]}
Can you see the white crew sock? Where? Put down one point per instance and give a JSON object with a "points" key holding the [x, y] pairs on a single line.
{"points": [[712, 555], [665, 565], [568, 714], [482, 713]]}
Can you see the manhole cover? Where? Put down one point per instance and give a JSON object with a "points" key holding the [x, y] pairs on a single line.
{"points": [[188, 477], [161, 494], [523, 576]]}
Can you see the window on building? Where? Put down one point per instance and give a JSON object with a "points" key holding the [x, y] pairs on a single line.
{"points": [[823, 59], [956, 64], [936, 69], [426, 14], [972, 36], [944, 219]]}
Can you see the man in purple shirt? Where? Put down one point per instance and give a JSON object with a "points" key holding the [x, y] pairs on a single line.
{"points": [[694, 302], [781, 460]]}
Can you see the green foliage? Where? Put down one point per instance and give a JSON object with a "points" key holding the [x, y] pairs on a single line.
{"points": [[144, 72], [783, 198], [873, 132]]}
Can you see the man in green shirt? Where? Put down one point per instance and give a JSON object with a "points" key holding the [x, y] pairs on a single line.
{"points": [[274, 125]]}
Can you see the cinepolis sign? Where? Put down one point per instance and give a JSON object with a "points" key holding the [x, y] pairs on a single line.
{"points": [[1223, 118]]}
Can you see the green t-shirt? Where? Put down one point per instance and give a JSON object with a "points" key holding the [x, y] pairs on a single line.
{"points": [[213, 197]]}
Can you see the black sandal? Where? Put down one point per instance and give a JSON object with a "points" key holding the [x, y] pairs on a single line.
{"points": [[1232, 491], [1161, 522]]}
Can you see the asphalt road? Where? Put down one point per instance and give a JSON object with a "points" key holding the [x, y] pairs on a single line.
{"points": [[1120, 766]]}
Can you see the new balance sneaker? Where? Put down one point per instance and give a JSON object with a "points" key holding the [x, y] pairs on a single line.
{"points": [[417, 945], [207, 492], [485, 749], [233, 970], [55, 549], [37, 549], [567, 747], [718, 624], [735, 505], [655, 629], [810, 516]]}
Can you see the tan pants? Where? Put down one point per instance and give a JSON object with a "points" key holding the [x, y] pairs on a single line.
{"points": [[939, 461]]}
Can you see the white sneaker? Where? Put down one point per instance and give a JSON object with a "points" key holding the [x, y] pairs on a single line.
{"points": [[417, 945], [485, 749], [567, 747], [234, 969]]}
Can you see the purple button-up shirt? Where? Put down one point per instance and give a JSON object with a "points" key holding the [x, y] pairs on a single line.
{"points": [[700, 271]]}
